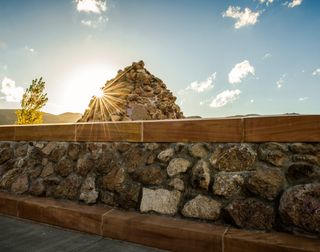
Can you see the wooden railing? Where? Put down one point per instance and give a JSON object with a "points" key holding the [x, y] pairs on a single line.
{"points": [[297, 128]]}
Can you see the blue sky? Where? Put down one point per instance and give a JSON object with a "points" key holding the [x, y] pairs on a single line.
{"points": [[218, 57]]}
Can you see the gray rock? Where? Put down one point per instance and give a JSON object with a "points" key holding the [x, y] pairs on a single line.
{"points": [[266, 182], [178, 165], [273, 153], [47, 170], [21, 185], [177, 184], [166, 155], [49, 148], [198, 150], [303, 148], [21, 150], [202, 207], [303, 173], [56, 153], [6, 153], [8, 178], [227, 184], [88, 191], [235, 158], [160, 200], [300, 206], [74, 150], [201, 175], [64, 167]]}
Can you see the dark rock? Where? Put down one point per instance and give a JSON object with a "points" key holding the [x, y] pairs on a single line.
{"points": [[57, 153], [149, 175], [37, 187], [69, 187], [21, 185], [302, 148], [106, 162], [273, 153], [128, 195], [228, 184], [200, 177], [35, 153], [74, 150], [21, 150], [300, 206], [33, 168], [64, 167], [8, 178], [306, 158], [123, 147], [114, 179], [133, 159], [302, 173], [6, 153], [266, 182], [52, 180], [251, 213], [47, 170], [108, 198], [84, 165], [235, 158]]}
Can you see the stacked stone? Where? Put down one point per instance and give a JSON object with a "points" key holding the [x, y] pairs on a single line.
{"points": [[134, 94], [258, 186]]}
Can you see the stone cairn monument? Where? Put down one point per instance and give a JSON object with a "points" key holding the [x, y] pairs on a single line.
{"points": [[134, 94]]}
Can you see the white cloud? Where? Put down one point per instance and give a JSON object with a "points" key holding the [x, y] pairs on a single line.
{"points": [[203, 85], [244, 18], [280, 82], [240, 71], [316, 72], [252, 101], [11, 92], [225, 97], [267, 56], [267, 2], [95, 6], [303, 99], [294, 3], [3, 45], [94, 23], [29, 49]]}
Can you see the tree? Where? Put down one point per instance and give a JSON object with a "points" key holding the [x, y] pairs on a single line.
{"points": [[33, 100]]}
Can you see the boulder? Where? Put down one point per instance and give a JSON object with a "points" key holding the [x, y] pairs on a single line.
{"points": [[178, 165]]}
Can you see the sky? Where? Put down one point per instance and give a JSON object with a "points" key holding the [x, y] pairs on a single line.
{"points": [[219, 57]]}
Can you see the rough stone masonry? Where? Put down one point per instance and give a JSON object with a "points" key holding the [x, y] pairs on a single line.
{"points": [[267, 186]]}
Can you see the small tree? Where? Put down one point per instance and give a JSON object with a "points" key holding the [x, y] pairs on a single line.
{"points": [[33, 100]]}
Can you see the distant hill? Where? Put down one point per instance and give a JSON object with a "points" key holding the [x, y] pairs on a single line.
{"points": [[8, 116]]}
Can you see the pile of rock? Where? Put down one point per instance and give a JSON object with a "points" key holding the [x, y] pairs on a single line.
{"points": [[134, 94]]}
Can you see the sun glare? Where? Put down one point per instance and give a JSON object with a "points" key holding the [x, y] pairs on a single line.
{"points": [[84, 83]]}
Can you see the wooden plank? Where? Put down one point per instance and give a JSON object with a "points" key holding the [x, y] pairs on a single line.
{"points": [[7, 133], [282, 129], [204, 130], [163, 232], [237, 240], [54, 132], [107, 132]]}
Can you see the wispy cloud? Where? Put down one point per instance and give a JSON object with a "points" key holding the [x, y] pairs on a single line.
{"points": [[10, 91], [94, 6], [94, 23], [267, 56], [203, 85], [240, 71], [303, 99], [225, 97], [244, 18], [267, 2], [280, 82], [293, 3], [29, 49], [316, 72]]}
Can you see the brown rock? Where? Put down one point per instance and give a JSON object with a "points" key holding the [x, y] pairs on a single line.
{"points": [[57, 153], [47, 170], [302, 173], [227, 184], [21, 150], [202, 207], [37, 187], [177, 184], [273, 153], [198, 150], [74, 150], [64, 167], [49, 148], [302, 148], [114, 179], [201, 175], [21, 185], [311, 159], [134, 158], [300, 206], [138, 112], [266, 182], [123, 147], [235, 158], [69, 187], [128, 195], [178, 165], [6, 153], [149, 175], [251, 213], [84, 165], [8, 178], [166, 155]]}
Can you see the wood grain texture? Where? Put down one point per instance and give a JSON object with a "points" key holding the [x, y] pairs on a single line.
{"points": [[237, 240], [8, 204], [107, 132], [7, 133], [56, 132], [205, 130], [163, 232], [282, 129]]}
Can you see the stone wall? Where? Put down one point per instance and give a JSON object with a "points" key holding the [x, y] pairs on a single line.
{"points": [[255, 186]]}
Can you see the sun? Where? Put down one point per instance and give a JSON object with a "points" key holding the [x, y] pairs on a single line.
{"points": [[83, 83]]}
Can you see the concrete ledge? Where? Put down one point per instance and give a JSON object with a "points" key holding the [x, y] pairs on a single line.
{"points": [[239, 129], [151, 230]]}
